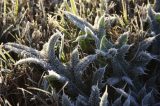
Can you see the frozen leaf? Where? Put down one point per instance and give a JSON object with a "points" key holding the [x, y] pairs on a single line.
{"points": [[101, 27], [144, 58], [74, 57], [51, 44], [138, 70], [54, 76], [105, 44], [82, 101], [79, 22], [123, 39], [113, 80], [65, 100], [83, 64], [157, 6], [104, 100], [121, 91], [94, 96], [141, 93], [154, 20], [128, 80], [40, 62], [22, 49], [117, 102], [146, 43], [147, 99], [127, 101], [98, 75]]}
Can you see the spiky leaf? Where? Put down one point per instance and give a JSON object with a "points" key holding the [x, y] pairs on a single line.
{"points": [[117, 102], [101, 27], [81, 101], [141, 93], [121, 92], [147, 99], [154, 20], [54, 76], [51, 44], [75, 57], [123, 39], [65, 100], [22, 49], [157, 7], [138, 70], [94, 96], [128, 80], [105, 44], [98, 75], [83, 64], [104, 100], [40, 62], [93, 35], [79, 22], [127, 101], [143, 58], [113, 80]]}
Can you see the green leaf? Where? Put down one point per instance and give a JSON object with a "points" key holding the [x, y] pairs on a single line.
{"points": [[93, 35], [101, 27], [158, 17], [122, 40], [105, 44]]}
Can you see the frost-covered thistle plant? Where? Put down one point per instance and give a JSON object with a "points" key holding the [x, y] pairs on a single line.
{"points": [[70, 73], [46, 58], [122, 70]]}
